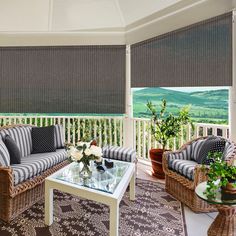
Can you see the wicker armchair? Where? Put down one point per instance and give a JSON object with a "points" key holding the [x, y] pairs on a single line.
{"points": [[183, 187]]}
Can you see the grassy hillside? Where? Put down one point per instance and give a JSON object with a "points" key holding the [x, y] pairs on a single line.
{"points": [[206, 106]]}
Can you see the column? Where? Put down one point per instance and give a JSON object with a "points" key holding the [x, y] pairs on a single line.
{"points": [[232, 90], [128, 122]]}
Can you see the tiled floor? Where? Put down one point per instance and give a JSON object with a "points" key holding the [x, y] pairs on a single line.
{"points": [[197, 224]]}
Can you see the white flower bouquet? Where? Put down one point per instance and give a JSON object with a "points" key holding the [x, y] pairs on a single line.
{"points": [[84, 152]]}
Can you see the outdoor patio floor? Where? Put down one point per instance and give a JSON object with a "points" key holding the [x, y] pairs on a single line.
{"points": [[197, 224]]}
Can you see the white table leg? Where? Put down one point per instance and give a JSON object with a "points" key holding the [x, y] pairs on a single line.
{"points": [[132, 188], [48, 208], [114, 219]]}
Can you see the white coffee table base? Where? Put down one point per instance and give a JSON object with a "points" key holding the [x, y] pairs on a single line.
{"points": [[112, 200]]}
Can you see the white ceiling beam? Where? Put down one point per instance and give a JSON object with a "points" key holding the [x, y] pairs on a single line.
{"points": [[60, 39], [50, 15]]}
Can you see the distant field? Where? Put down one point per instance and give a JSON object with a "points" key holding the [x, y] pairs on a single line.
{"points": [[206, 106]]}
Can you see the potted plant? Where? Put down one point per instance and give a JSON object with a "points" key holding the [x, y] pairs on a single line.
{"points": [[164, 126], [221, 174]]}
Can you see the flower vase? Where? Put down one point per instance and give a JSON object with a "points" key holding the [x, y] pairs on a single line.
{"points": [[85, 171]]}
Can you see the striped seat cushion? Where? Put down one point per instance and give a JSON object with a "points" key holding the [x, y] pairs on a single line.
{"points": [[59, 136], [119, 153], [35, 164], [4, 154], [22, 136], [183, 167]]}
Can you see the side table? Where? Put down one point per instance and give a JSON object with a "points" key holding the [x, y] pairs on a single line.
{"points": [[225, 222]]}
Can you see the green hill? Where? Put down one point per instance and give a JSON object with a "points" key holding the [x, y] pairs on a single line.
{"points": [[206, 106]]}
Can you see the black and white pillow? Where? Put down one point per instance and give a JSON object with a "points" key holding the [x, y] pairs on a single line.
{"points": [[43, 139], [59, 136], [212, 145], [13, 149], [4, 154]]}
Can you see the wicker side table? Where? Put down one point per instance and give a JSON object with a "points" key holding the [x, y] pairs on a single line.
{"points": [[225, 222]]}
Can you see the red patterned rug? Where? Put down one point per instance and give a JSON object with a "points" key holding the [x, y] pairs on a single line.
{"points": [[154, 212]]}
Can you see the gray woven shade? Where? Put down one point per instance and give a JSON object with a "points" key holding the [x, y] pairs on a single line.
{"points": [[198, 55], [75, 79]]}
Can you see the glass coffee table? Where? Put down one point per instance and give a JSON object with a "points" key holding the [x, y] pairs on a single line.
{"points": [[107, 188], [224, 223]]}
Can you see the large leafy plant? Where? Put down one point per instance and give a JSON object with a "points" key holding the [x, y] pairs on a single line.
{"points": [[220, 173], [166, 126]]}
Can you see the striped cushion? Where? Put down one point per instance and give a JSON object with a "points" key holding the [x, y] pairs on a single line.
{"points": [[183, 167], [183, 155], [22, 137], [35, 164], [119, 153], [4, 154], [59, 136], [196, 147], [230, 150]]}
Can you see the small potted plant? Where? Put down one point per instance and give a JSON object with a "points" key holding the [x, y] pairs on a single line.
{"points": [[221, 175], [163, 128]]}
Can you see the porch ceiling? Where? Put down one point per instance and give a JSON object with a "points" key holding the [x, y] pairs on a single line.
{"points": [[43, 22]]}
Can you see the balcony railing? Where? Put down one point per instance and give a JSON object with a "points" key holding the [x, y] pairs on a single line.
{"points": [[110, 130], [106, 130], [144, 141]]}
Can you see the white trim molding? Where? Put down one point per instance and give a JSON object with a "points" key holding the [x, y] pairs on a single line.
{"points": [[232, 90]]}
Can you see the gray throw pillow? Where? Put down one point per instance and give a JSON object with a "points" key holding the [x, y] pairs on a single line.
{"points": [[13, 149]]}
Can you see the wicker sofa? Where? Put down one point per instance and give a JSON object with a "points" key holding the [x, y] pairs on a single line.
{"points": [[181, 184], [21, 185]]}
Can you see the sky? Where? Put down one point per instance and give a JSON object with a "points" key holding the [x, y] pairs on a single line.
{"points": [[190, 89]]}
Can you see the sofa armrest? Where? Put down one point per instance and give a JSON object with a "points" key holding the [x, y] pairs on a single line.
{"points": [[120, 153], [170, 155], [200, 174], [181, 154], [6, 181]]}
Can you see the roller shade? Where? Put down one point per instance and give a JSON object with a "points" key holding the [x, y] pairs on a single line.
{"points": [[74, 79], [198, 55]]}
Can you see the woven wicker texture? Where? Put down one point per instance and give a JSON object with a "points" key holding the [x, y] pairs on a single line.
{"points": [[16, 199], [182, 188], [224, 223]]}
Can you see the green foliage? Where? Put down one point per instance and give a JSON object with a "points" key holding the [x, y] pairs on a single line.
{"points": [[206, 106], [166, 126], [220, 173]]}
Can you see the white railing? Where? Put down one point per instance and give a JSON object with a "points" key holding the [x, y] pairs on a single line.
{"points": [[144, 141], [106, 130], [110, 130], [202, 129]]}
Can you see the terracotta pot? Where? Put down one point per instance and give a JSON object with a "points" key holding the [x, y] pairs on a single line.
{"points": [[156, 159], [94, 142]]}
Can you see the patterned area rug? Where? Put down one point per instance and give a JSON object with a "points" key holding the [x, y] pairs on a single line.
{"points": [[154, 212]]}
